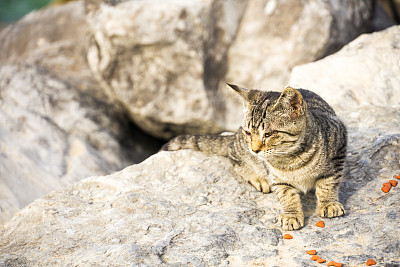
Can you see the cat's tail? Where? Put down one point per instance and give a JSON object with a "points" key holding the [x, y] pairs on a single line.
{"points": [[210, 144]]}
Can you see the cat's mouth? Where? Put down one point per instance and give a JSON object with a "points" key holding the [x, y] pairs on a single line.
{"points": [[267, 153], [263, 153]]}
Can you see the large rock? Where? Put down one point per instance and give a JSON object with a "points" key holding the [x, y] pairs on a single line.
{"points": [[185, 208], [365, 72], [56, 126], [167, 61], [275, 36], [52, 135], [158, 57], [52, 38]]}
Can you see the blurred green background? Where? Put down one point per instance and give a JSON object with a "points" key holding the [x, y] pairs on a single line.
{"points": [[11, 10]]}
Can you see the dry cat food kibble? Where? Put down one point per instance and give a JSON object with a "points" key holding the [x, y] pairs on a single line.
{"points": [[320, 224], [315, 258], [312, 252], [386, 187], [387, 184], [320, 260], [333, 263], [393, 182], [287, 236], [371, 262]]}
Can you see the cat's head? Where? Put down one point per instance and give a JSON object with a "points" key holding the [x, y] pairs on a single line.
{"points": [[273, 122]]}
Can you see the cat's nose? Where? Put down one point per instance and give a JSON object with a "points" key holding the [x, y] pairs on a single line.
{"points": [[256, 146]]}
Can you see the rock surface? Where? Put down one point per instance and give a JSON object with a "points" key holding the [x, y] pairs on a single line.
{"points": [[186, 208], [276, 35], [150, 57], [365, 72], [56, 127], [52, 135]]}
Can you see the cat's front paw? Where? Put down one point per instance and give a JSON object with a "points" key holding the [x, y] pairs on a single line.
{"points": [[331, 209], [292, 222], [260, 184]]}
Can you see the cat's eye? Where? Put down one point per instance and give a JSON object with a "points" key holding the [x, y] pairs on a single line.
{"points": [[246, 132], [266, 135]]}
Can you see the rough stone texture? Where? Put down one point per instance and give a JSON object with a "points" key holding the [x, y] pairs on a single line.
{"points": [[52, 135], [53, 39], [150, 54], [158, 57], [364, 72], [56, 127], [186, 208], [275, 36]]}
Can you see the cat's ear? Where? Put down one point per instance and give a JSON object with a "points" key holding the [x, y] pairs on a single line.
{"points": [[243, 92], [292, 102]]}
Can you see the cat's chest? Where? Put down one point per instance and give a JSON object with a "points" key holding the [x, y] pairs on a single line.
{"points": [[303, 178]]}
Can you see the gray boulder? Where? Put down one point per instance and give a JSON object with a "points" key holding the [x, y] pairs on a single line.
{"points": [[157, 57], [53, 39], [275, 36], [365, 72], [52, 135], [56, 126]]}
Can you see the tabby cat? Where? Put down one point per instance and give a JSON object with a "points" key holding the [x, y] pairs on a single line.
{"points": [[289, 143]]}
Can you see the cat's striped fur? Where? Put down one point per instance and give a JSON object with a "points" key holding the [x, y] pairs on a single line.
{"points": [[289, 143]]}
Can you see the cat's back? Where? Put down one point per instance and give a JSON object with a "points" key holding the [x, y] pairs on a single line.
{"points": [[315, 103], [331, 129]]}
